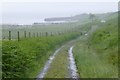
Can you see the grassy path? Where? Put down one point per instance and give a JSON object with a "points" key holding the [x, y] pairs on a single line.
{"points": [[90, 64], [60, 66]]}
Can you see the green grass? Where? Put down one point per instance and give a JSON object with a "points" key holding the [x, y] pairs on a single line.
{"points": [[59, 66], [93, 65], [96, 55], [0, 59], [27, 57], [0, 43]]}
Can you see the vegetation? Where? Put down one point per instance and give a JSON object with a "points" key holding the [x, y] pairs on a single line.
{"points": [[0, 59], [27, 57], [54, 28], [59, 66], [96, 55], [95, 51]]}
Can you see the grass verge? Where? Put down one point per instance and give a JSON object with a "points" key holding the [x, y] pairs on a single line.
{"points": [[96, 55]]}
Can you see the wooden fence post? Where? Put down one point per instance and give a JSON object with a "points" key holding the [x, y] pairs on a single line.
{"points": [[81, 33], [34, 35], [41, 33], [9, 35], [3, 37], [46, 34], [18, 36], [59, 33], [29, 34], [37, 34], [25, 34]]}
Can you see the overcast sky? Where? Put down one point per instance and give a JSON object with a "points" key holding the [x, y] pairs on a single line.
{"points": [[19, 12]]}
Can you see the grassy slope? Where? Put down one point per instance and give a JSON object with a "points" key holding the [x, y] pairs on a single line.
{"points": [[96, 55], [27, 57]]}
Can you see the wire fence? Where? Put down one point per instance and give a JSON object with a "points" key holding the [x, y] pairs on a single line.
{"points": [[18, 35]]}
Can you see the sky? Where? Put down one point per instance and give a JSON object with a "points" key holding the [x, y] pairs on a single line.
{"points": [[28, 12]]}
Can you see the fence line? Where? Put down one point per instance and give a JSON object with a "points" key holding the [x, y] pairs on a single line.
{"points": [[26, 34]]}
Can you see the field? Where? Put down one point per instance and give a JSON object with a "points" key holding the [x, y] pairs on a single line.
{"points": [[53, 29], [95, 49], [17, 59]]}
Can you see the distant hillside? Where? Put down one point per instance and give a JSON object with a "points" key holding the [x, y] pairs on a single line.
{"points": [[107, 16], [73, 18], [84, 17]]}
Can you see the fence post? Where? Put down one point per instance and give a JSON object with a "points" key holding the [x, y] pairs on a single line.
{"points": [[34, 35], [59, 33], [25, 34], [9, 35], [81, 33], [29, 34], [41, 34], [3, 37], [46, 34], [18, 36], [37, 34]]}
